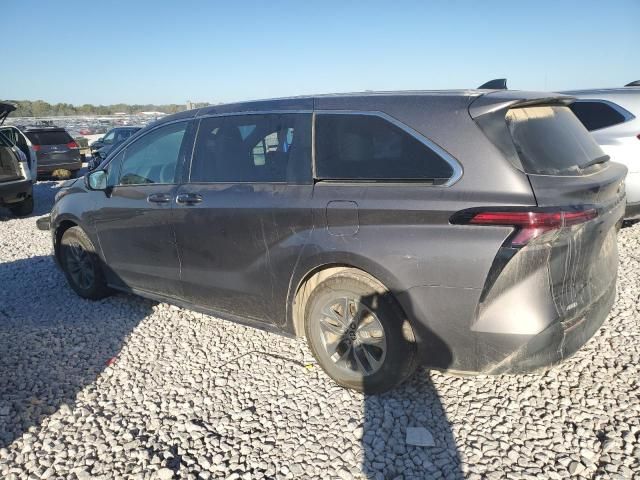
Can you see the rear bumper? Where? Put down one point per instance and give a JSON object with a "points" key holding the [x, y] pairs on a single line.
{"points": [[15, 191], [445, 343], [559, 341], [50, 167]]}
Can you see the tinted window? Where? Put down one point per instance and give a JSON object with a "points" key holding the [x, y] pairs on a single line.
{"points": [[153, 158], [253, 148], [56, 137], [595, 115], [550, 140], [371, 148]]}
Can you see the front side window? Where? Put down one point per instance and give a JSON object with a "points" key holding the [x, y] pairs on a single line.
{"points": [[153, 158], [269, 148], [368, 147], [108, 138]]}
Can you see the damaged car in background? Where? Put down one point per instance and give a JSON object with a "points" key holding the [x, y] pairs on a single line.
{"points": [[470, 231], [18, 166]]}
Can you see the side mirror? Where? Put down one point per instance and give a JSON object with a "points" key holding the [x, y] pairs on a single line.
{"points": [[96, 180]]}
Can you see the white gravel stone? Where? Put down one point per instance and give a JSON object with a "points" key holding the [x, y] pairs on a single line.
{"points": [[192, 396]]}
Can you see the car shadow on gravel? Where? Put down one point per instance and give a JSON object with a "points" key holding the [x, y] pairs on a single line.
{"points": [[406, 432], [52, 342]]}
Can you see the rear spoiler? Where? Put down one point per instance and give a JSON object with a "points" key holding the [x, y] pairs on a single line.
{"points": [[500, 101], [489, 112], [5, 110]]}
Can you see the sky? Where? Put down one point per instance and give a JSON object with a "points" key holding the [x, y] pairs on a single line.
{"points": [[165, 51]]}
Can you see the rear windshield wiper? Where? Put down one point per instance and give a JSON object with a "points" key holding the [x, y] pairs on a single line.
{"points": [[595, 161]]}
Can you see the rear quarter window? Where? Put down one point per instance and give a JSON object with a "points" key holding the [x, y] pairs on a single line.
{"points": [[49, 138], [368, 147], [595, 115], [550, 140]]}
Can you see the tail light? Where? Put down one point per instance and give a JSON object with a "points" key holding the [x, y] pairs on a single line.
{"points": [[72, 144], [36, 148], [527, 224]]}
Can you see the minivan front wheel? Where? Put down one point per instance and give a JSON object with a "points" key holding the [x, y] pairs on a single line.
{"points": [[359, 334], [81, 264]]}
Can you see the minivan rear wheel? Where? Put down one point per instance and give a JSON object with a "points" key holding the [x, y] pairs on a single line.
{"points": [[359, 334], [81, 265]]}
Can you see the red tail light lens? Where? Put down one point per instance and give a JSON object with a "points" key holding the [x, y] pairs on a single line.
{"points": [[36, 148], [72, 145], [528, 224]]}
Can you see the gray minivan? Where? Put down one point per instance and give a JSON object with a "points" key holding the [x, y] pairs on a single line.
{"points": [[471, 231]]}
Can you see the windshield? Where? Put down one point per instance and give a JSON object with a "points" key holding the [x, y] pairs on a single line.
{"points": [[550, 140]]}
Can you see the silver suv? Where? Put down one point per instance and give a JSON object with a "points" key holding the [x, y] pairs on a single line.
{"points": [[18, 165], [612, 117]]}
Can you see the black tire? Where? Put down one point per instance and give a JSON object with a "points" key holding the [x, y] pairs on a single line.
{"points": [[394, 366], [23, 208], [78, 253]]}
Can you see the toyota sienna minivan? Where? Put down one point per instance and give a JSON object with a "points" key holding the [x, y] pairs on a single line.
{"points": [[469, 231]]}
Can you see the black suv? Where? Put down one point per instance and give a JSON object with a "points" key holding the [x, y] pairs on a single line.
{"points": [[55, 150], [114, 137], [470, 231]]}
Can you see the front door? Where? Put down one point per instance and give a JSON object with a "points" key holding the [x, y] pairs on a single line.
{"points": [[245, 215], [134, 220]]}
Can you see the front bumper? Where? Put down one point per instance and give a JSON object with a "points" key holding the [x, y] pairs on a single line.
{"points": [[44, 223], [15, 191], [632, 212]]}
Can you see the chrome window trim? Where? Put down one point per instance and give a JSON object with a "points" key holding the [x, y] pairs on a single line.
{"points": [[437, 149]]}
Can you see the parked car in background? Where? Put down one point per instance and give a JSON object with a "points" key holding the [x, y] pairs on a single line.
{"points": [[19, 139], [55, 149], [101, 147], [612, 115], [17, 170], [472, 231]]}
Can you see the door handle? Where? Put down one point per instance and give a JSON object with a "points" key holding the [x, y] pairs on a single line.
{"points": [[188, 198], [159, 198]]}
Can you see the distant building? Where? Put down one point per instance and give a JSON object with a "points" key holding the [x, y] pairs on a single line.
{"points": [[189, 105], [152, 114]]}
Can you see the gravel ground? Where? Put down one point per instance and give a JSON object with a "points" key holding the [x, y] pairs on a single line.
{"points": [[128, 388]]}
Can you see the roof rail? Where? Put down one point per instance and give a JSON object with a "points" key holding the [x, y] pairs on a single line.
{"points": [[495, 84], [633, 84]]}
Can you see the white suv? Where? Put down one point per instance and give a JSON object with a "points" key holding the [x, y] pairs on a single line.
{"points": [[612, 115], [18, 167]]}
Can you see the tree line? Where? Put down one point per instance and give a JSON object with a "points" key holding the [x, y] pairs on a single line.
{"points": [[39, 108]]}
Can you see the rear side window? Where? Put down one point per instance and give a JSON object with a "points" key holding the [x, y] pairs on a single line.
{"points": [[550, 140], [368, 147], [595, 115], [253, 148], [56, 137]]}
